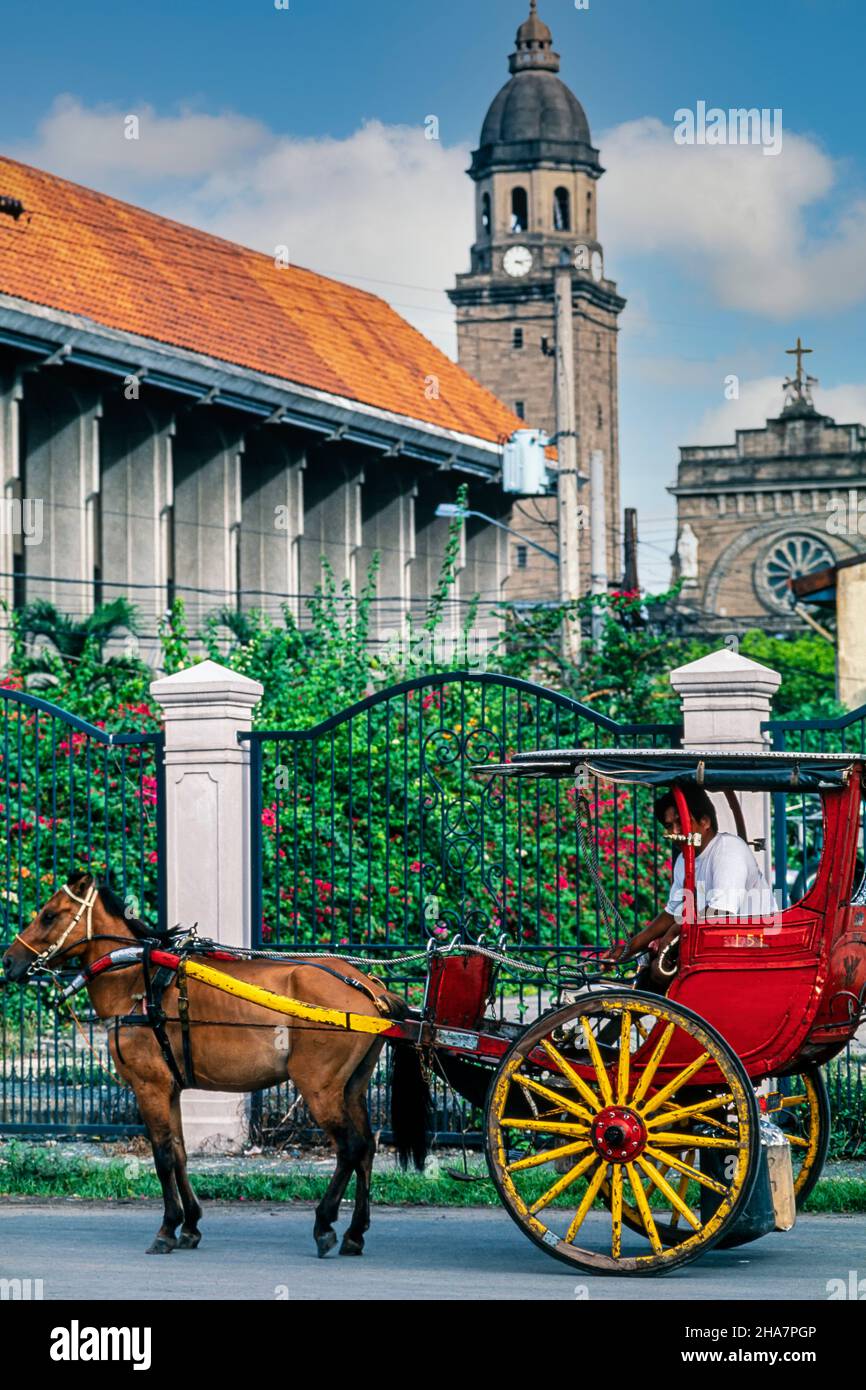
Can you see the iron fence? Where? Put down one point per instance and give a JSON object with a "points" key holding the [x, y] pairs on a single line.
{"points": [[72, 796], [797, 821], [371, 834]]}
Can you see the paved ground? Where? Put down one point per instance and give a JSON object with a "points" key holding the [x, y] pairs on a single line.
{"points": [[95, 1251]]}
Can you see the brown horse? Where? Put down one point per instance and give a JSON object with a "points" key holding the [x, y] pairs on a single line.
{"points": [[235, 1046]]}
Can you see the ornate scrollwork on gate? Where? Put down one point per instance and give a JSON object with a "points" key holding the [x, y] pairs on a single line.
{"points": [[458, 812]]}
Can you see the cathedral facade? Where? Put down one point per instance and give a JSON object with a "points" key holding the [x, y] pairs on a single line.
{"points": [[536, 176], [770, 508]]}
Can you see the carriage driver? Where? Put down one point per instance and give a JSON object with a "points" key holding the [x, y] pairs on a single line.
{"points": [[728, 883]]}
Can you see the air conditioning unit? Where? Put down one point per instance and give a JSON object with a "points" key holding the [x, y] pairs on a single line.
{"points": [[525, 472]]}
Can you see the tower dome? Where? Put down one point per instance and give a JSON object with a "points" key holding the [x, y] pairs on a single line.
{"points": [[535, 116]]}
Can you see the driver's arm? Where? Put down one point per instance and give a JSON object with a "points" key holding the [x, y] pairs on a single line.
{"points": [[657, 927]]}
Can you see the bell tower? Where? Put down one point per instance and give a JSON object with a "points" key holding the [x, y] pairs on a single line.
{"points": [[536, 178]]}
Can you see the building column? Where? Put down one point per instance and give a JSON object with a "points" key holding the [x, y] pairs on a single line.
{"points": [[272, 504], [207, 842], [486, 570], [431, 540], [62, 472], [725, 700], [207, 512], [387, 527], [136, 489], [332, 519]]}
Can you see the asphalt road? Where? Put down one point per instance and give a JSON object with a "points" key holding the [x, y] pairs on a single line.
{"points": [[96, 1251]]}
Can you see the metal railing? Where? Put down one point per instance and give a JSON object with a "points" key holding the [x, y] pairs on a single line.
{"points": [[371, 835], [72, 796]]}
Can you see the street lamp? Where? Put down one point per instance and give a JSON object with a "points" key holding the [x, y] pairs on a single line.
{"points": [[453, 509]]}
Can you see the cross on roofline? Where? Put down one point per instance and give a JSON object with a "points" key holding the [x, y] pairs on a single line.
{"points": [[799, 352]]}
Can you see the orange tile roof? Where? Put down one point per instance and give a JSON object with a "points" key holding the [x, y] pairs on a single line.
{"points": [[85, 253]]}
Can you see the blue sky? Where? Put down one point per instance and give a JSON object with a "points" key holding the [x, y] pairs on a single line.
{"points": [[304, 126]]}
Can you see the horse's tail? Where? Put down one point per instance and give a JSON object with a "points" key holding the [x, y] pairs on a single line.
{"points": [[411, 1108]]}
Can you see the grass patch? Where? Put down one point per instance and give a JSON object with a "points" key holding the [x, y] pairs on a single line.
{"points": [[31, 1171], [842, 1195]]}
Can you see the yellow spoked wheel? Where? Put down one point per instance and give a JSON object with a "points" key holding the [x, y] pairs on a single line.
{"points": [[800, 1106], [601, 1146]]}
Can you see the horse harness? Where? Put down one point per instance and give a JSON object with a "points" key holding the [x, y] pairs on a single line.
{"points": [[157, 980], [85, 905]]}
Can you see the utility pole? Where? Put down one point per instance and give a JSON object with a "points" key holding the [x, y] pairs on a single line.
{"points": [[598, 539], [566, 432], [630, 581]]}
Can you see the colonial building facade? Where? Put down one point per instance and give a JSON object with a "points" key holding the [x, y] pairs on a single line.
{"points": [[536, 175], [765, 510], [193, 418]]}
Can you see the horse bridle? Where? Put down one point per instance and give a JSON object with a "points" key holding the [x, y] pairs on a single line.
{"points": [[86, 905]]}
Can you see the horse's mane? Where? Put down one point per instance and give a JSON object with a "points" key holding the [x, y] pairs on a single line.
{"points": [[116, 907]]}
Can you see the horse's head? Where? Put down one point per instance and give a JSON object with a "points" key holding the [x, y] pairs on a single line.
{"points": [[62, 929]]}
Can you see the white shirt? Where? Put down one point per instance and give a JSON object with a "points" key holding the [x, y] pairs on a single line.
{"points": [[727, 881]]}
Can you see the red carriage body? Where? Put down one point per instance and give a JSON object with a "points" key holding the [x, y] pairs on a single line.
{"points": [[787, 992]]}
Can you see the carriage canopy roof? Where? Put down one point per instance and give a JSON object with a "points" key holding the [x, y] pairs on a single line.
{"points": [[711, 768]]}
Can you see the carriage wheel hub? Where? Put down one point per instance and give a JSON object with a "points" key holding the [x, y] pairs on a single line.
{"points": [[618, 1134]]}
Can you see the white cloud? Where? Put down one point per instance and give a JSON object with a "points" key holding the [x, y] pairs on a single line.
{"points": [[734, 218], [91, 145]]}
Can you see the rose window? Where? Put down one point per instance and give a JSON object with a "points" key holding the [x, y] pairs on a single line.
{"points": [[792, 557]]}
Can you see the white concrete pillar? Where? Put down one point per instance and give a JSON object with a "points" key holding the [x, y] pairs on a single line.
{"points": [[725, 699], [851, 622], [207, 841]]}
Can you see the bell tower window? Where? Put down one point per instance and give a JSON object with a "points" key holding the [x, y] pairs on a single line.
{"points": [[561, 210], [589, 211], [485, 214], [519, 210]]}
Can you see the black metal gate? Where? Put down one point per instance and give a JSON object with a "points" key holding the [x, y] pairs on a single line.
{"points": [[72, 795], [371, 834], [797, 822]]}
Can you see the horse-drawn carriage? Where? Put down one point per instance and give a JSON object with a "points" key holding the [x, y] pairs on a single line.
{"points": [[622, 1127]]}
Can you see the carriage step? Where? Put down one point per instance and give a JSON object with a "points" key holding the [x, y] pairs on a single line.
{"points": [[772, 1205]]}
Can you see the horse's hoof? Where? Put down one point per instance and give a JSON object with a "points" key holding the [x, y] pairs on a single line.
{"points": [[351, 1247], [161, 1246], [325, 1243], [189, 1240]]}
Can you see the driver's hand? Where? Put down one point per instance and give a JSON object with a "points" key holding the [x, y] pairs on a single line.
{"points": [[614, 954], [672, 934]]}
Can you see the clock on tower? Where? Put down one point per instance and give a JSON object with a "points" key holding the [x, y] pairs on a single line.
{"points": [[537, 175]]}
